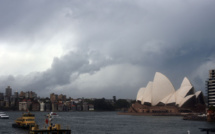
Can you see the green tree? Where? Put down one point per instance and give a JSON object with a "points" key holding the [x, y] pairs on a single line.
{"points": [[212, 108], [103, 105], [122, 103]]}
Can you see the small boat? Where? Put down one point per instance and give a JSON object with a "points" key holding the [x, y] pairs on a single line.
{"points": [[3, 116], [49, 128], [26, 121], [53, 115], [202, 115], [52, 129]]}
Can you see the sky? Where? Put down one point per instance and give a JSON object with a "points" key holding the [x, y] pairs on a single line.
{"points": [[104, 48]]}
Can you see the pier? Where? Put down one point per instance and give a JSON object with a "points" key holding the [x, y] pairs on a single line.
{"points": [[207, 130]]}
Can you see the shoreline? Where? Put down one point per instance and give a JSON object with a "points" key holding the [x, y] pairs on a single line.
{"points": [[150, 114]]}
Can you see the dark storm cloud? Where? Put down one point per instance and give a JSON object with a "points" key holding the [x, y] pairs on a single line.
{"points": [[121, 44]]}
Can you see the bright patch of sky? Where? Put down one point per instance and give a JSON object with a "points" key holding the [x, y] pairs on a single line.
{"points": [[104, 48]]}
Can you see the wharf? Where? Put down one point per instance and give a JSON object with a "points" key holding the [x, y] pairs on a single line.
{"points": [[207, 130], [195, 118]]}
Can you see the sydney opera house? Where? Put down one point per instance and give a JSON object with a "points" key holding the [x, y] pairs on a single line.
{"points": [[161, 93]]}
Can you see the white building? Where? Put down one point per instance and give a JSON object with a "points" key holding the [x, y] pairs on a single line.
{"points": [[42, 106], [23, 106], [162, 92]]}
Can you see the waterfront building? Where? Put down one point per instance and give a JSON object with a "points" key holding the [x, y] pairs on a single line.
{"points": [[160, 92], [210, 88], [68, 105], [2, 103], [7, 104], [53, 97], [75, 101], [27, 94], [29, 104], [91, 107], [6, 98], [73, 107], [1, 96], [138, 108], [62, 97], [79, 107], [65, 108], [60, 106], [23, 105], [114, 99], [13, 100], [35, 106], [85, 106], [16, 94], [17, 104], [42, 106], [22, 94], [7, 101], [30, 94], [54, 107], [47, 106]]}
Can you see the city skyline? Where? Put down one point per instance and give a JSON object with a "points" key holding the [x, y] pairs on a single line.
{"points": [[30, 94], [104, 48]]}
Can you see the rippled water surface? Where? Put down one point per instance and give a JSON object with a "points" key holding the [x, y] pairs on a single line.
{"points": [[111, 123]]}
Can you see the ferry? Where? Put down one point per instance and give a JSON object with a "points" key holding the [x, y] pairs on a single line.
{"points": [[49, 128], [26, 121]]}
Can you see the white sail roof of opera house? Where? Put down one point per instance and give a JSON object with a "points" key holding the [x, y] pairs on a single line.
{"points": [[199, 97], [147, 97], [185, 90], [187, 99], [170, 99], [198, 94], [162, 92], [139, 94], [161, 88]]}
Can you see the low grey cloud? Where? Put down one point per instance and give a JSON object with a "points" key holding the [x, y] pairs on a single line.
{"points": [[88, 49]]}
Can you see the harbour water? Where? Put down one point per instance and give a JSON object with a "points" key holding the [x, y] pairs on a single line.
{"points": [[111, 123]]}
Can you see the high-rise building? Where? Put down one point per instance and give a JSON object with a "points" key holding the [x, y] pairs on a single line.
{"points": [[8, 91], [211, 88], [16, 94], [53, 97], [30, 94], [27, 94], [22, 94], [1, 96], [114, 98], [62, 97]]}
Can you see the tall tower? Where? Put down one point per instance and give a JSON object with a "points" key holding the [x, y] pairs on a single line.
{"points": [[8, 91], [211, 88], [53, 97], [16, 94], [114, 98]]}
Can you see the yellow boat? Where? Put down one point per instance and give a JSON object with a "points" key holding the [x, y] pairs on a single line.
{"points": [[50, 129], [26, 121]]}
